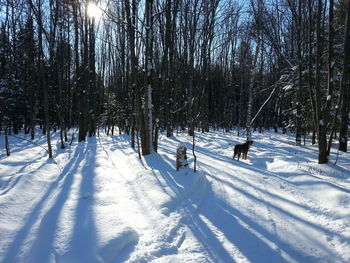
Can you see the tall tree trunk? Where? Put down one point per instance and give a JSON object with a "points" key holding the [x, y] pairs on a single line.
{"points": [[93, 98], [331, 64], [320, 121], [42, 76], [136, 94], [299, 87], [148, 107], [7, 145], [166, 68], [252, 74], [310, 87], [345, 86], [84, 82], [77, 75]]}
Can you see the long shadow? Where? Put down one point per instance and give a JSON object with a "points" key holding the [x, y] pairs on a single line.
{"points": [[209, 241], [259, 165], [282, 211], [260, 170], [6, 188], [249, 244], [19, 175], [122, 143], [200, 229], [156, 163], [22, 234], [252, 240], [285, 140], [22, 174], [178, 184], [24, 164], [242, 237], [239, 230], [329, 184], [84, 239], [278, 176], [283, 175], [124, 139], [223, 217], [293, 155], [18, 144]]}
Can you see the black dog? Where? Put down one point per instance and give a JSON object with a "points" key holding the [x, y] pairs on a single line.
{"points": [[242, 149]]}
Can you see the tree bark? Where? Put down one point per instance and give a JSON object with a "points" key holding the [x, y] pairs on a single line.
{"points": [[42, 75], [299, 87], [7, 145], [345, 86], [148, 107], [138, 112], [320, 118]]}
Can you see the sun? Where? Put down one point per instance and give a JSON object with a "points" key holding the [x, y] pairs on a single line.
{"points": [[93, 10]]}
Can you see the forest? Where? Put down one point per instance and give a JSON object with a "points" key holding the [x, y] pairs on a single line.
{"points": [[150, 67]]}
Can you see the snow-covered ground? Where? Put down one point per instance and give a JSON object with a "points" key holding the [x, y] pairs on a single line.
{"points": [[97, 202]]}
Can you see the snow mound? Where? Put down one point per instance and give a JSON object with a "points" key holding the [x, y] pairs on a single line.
{"points": [[190, 188], [113, 249]]}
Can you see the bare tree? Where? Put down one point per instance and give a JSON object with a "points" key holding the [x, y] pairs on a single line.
{"points": [[37, 10], [344, 86], [148, 107]]}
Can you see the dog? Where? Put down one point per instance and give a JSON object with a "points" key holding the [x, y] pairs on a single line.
{"points": [[242, 149]]}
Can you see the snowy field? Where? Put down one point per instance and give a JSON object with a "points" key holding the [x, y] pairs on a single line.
{"points": [[97, 202]]}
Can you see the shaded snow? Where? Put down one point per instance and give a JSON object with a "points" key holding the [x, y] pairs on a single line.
{"points": [[99, 203]]}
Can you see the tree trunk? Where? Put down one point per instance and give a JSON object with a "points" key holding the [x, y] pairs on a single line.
{"points": [[42, 81], [7, 145], [345, 86], [299, 87], [148, 107], [84, 83], [331, 64], [311, 92], [93, 98], [320, 118], [138, 112]]}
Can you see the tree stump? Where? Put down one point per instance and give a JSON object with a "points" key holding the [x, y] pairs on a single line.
{"points": [[181, 157]]}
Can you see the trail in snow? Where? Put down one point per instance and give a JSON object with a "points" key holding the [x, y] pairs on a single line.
{"points": [[279, 216], [265, 217], [151, 209], [99, 207], [105, 205]]}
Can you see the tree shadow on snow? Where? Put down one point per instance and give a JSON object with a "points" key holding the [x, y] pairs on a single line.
{"points": [[246, 235], [252, 240], [59, 190], [83, 242], [182, 183]]}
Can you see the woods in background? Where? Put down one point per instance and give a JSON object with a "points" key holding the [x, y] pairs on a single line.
{"points": [[151, 66]]}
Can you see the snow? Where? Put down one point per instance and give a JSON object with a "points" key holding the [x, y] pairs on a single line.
{"points": [[97, 202], [288, 87]]}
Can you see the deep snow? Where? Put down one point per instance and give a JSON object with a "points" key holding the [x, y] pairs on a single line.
{"points": [[97, 202]]}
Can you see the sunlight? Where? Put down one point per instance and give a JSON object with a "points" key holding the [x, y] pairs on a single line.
{"points": [[93, 10]]}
